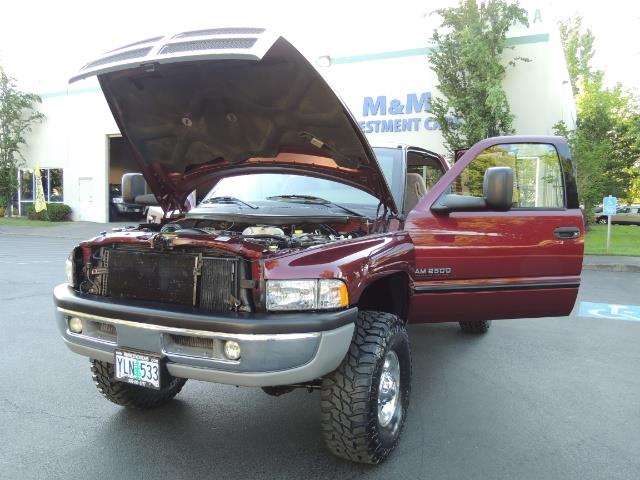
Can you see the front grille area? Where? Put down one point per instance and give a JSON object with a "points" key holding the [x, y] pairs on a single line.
{"points": [[107, 328], [219, 284], [195, 342], [208, 280], [152, 276]]}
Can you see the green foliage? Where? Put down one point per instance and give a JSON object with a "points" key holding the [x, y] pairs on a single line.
{"points": [[467, 60], [17, 115], [578, 51], [606, 141], [634, 191], [625, 240], [55, 212]]}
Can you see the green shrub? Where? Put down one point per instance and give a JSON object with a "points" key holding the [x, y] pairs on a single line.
{"points": [[55, 212], [59, 212], [33, 215]]}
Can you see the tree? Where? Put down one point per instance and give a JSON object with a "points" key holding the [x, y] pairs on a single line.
{"points": [[17, 116], [578, 51], [606, 141], [467, 60]]}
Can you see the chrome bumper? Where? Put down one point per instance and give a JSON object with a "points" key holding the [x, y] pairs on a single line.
{"points": [[267, 359]]}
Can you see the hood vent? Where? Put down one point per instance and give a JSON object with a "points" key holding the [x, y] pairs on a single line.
{"points": [[211, 44], [139, 52], [218, 31], [134, 44]]}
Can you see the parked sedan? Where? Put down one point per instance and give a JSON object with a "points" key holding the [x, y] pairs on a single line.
{"points": [[629, 215]]}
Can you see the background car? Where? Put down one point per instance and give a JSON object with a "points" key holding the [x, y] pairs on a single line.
{"points": [[628, 215], [119, 209]]}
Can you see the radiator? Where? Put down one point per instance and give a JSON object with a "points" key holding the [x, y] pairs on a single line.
{"points": [[203, 279]]}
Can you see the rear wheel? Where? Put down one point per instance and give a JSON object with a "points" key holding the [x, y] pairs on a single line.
{"points": [[128, 395], [475, 327], [602, 220], [364, 401]]}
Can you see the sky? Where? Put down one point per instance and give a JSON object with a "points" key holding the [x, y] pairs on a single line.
{"points": [[43, 43]]}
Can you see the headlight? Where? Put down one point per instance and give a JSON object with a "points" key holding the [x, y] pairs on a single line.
{"points": [[116, 199], [319, 294], [70, 269]]}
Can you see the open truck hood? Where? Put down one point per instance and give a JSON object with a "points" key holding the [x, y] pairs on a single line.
{"points": [[199, 106]]}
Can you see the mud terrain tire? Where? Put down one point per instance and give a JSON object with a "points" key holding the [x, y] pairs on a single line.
{"points": [[475, 327], [352, 425], [128, 395]]}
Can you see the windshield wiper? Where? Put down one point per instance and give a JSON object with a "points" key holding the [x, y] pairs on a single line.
{"points": [[310, 199], [229, 200]]}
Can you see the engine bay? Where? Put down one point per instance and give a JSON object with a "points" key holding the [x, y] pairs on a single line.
{"points": [[272, 238]]}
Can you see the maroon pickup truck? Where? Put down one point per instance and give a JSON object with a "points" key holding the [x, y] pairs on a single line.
{"points": [[311, 252]]}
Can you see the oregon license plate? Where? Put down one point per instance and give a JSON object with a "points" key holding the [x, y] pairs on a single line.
{"points": [[138, 369]]}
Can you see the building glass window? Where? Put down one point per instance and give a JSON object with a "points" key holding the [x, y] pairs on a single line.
{"points": [[55, 185], [26, 185], [51, 185]]}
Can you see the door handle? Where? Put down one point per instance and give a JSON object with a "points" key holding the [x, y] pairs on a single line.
{"points": [[566, 233]]}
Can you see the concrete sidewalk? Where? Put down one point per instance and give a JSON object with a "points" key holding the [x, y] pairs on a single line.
{"points": [[611, 263], [84, 230]]}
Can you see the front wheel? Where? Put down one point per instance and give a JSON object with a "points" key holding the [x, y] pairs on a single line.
{"points": [[602, 220], [364, 401], [128, 395]]}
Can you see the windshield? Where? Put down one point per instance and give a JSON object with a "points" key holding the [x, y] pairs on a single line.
{"points": [[259, 187]]}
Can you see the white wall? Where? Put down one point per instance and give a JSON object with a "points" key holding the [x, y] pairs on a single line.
{"points": [[74, 137]]}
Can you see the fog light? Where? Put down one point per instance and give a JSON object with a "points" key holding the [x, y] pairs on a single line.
{"points": [[75, 325], [232, 350]]}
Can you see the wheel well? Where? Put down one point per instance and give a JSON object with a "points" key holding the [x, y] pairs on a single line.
{"points": [[389, 294]]}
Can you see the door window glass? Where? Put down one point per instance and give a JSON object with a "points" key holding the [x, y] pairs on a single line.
{"points": [[427, 169], [536, 173]]}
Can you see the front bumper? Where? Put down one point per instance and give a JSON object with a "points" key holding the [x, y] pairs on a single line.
{"points": [[277, 349]]}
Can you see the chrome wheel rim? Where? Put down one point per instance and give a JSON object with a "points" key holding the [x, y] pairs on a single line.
{"points": [[389, 404]]}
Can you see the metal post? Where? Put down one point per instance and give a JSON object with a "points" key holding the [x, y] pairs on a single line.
{"points": [[19, 194], [608, 232]]}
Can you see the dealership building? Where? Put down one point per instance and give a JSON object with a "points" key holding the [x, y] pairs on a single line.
{"points": [[80, 152]]}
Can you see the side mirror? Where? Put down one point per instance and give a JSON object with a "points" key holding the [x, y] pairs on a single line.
{"points": [[497, 191], [134, 190], [498, 188]]}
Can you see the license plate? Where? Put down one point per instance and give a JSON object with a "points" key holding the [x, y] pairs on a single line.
{"points": [[138, 369]]}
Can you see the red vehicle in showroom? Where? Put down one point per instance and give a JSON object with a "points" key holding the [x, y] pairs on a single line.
{"points": [[311, 251]]}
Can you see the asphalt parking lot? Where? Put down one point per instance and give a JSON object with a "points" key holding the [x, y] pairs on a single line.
{"points": [[542, 398]]}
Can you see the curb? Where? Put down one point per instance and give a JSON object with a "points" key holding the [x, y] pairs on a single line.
{"points": [[611, 268]]}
